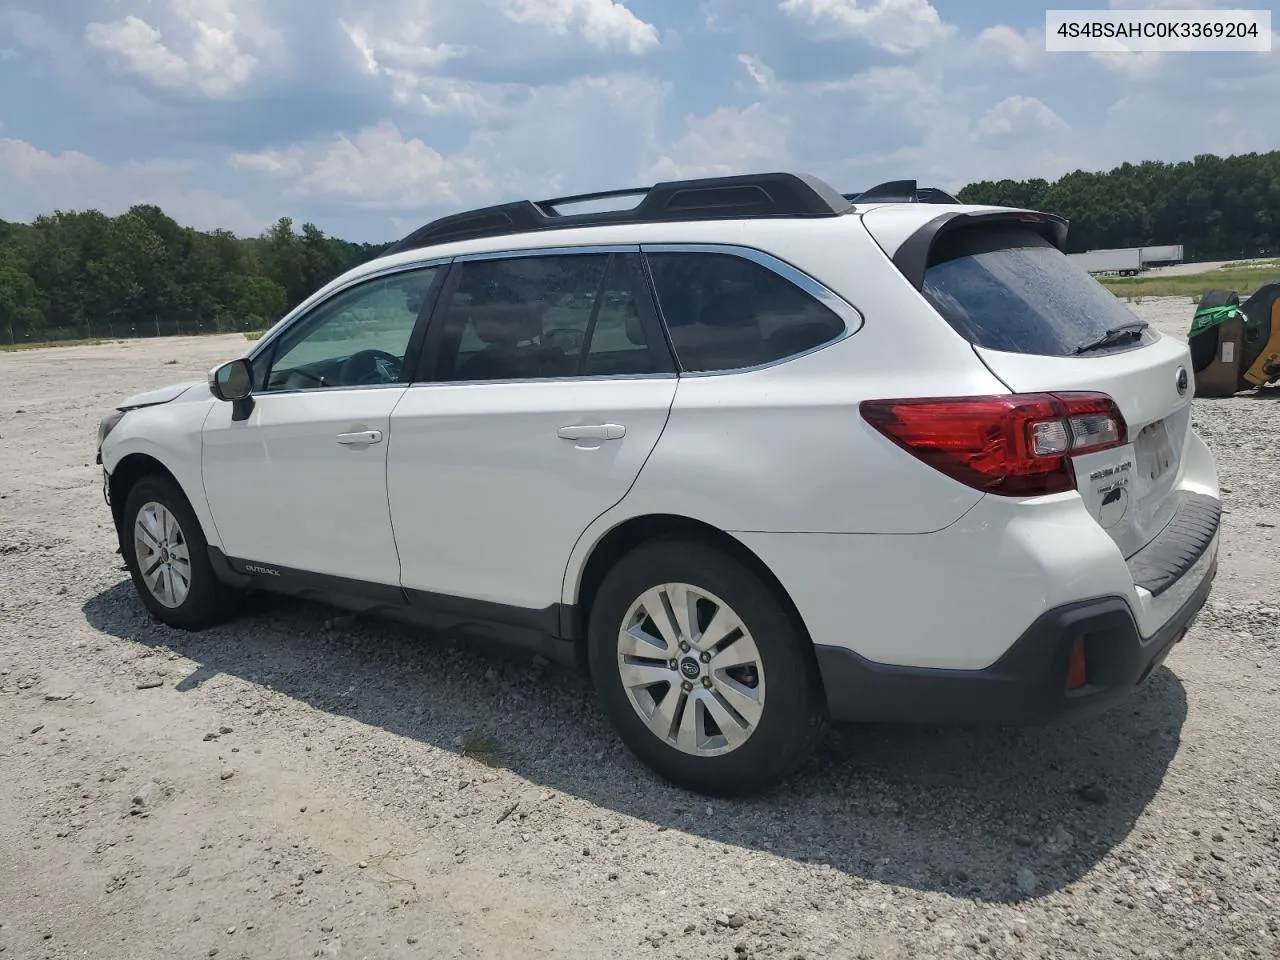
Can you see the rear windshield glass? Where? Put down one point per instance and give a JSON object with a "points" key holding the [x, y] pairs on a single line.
{"points": [[1011, 289]]}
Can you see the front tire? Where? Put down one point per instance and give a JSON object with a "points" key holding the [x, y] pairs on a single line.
{"points": [[168, 558], [702, 670]]}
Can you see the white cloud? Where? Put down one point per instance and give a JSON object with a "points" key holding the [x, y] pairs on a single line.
{"points": [[725, 142], [408, 50], [535, 142], [1135, 65], [413, 45], [212, 61], [468, 99], [760, 76], [1013, 48], [588, 133], [377, 168], [606, 24], [135, 47], [908, 91], [1018, 116], [368, 112], [409, 39], [884, 123], [37, 181], [898, 26]]}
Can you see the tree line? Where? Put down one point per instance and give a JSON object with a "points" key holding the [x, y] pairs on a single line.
{"points": [[1218, 208], [82, 274]]}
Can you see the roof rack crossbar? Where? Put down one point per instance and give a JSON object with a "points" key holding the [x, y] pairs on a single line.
{"points": [[752, 196], [901, 191], [548, 205]]}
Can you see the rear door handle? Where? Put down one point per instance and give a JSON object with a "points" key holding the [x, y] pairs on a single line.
{"points": [[360, 438], [593, 431]]}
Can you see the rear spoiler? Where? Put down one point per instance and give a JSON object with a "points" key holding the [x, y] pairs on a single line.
{"points": [[912, 258]]}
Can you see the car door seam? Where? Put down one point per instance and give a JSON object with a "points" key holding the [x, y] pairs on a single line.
{"points": [[626, 493], [204, 487], [386, 480]]}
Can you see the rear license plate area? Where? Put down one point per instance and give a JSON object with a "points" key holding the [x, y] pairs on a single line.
{"points": [[1153, 451]]}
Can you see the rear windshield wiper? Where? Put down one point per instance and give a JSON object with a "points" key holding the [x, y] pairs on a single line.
{"points": [[1125, 331]]}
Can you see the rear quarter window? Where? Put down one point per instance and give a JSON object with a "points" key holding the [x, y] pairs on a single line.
{"points": [[1011, 289], [725, 312]]}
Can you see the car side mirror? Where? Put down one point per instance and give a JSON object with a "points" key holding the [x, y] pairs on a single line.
{"points": [[233, 382]]}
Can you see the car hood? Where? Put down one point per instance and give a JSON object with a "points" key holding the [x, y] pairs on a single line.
{"points": [[150, 398]]}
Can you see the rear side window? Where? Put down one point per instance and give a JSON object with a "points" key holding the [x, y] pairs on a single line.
{"points": [[1012, 290], [725, 312], [538, 317]]}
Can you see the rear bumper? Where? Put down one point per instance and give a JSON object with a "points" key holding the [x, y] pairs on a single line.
{"points": [[1028, 684]]}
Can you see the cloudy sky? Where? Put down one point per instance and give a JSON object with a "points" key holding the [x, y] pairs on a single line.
{"points": [[369, 116]]}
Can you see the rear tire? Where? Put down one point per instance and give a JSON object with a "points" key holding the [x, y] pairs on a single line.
{"points": [[719, 711], [1204, 346], [168, 558]]}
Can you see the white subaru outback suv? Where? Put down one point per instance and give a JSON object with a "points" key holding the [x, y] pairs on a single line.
{"points": [[756, 453]]}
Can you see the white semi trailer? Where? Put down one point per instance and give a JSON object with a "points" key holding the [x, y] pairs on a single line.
{"points": [[1126, 261], [1161, 256]]}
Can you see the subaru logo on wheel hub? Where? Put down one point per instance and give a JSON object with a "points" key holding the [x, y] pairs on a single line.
{"points": [[690, 668], [1182, 381]]}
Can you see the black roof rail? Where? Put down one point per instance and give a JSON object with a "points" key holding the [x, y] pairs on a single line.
{"points": [[753, 196], [934, 195], [901, 191]]}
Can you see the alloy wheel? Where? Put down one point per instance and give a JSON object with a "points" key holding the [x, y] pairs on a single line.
{"points": [[162, 555], [691, 669]]}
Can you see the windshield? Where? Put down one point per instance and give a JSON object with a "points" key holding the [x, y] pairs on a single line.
{"points": [[1010, 289]]}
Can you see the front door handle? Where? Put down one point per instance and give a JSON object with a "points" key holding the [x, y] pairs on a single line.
{"points": [[593, 431], [361, 438]]}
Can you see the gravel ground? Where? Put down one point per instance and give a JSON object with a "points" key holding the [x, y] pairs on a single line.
{"points": [[304, 784]]}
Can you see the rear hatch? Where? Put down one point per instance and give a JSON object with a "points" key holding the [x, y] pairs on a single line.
{"points": [[1043, 325]]}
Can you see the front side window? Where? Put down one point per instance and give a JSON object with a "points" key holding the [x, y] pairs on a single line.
{"points": [[725, 312], [357, 338], [536, 317]]}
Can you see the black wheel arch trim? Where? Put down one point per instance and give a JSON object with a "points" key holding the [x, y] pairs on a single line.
{"points": [[126, 472]]}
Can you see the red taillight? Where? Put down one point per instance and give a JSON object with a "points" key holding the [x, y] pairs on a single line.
{"points": [[1077, 674], [1016, 445]]}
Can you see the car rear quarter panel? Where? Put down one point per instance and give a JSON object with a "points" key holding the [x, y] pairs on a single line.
{"points": [[783, 448], [955, 599]]}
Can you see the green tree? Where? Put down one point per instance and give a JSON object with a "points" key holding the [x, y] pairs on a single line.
{"points": [[21, 315], [258, 302]]}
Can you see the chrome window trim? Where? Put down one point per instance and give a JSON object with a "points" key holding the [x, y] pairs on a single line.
{"points": [[294, 391], [593, 378], [850, 315], [311, 304], [553, 251]]}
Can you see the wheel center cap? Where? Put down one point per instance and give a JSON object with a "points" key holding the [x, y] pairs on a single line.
{"points": [[690, 667]]}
